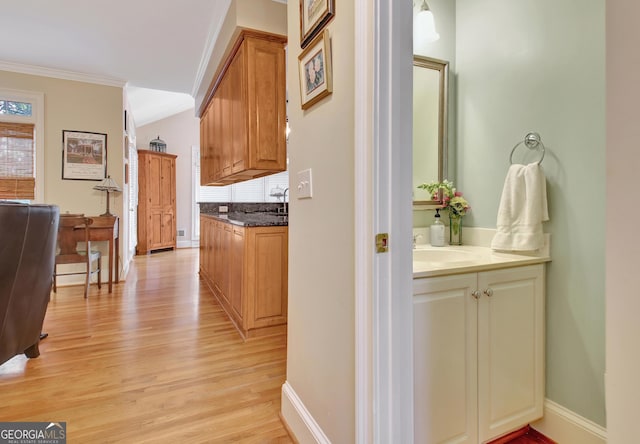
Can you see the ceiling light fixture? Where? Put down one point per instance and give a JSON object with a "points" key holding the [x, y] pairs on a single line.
{"points": [[424, 26]]}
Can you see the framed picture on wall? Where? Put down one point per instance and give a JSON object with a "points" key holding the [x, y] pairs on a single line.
{"points": [[314, 15], [84, 155], [315, 70]]}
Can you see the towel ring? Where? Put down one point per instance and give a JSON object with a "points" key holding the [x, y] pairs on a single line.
{"points": [[531, 141]]}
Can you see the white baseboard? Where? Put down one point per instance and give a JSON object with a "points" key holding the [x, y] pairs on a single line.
{"points": [[566, 427], [188, 244], [299, 419]]}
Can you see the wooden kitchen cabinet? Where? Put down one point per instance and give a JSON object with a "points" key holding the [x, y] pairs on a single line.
{"points": [[156, 201], [478, 354], [242, 124], [246, 268]]}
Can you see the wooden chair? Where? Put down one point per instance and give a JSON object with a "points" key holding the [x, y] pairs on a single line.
{"points": [[74, 247]]}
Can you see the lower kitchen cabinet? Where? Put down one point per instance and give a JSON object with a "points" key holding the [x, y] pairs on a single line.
{"points": [[478, 354], [246, 268]]}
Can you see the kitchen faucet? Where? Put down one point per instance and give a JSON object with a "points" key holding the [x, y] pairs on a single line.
{"points": [[284, 201]]}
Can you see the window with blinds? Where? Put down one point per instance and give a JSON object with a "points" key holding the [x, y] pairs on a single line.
{"points": [[17, 161]]}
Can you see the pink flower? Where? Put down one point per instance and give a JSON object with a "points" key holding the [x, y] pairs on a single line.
{"points": [[457, 194]]}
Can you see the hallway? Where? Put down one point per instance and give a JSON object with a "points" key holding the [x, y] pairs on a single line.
{"points": [[156, 361]]}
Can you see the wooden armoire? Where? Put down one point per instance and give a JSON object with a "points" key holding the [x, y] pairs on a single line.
{"points": [[156, 201]]}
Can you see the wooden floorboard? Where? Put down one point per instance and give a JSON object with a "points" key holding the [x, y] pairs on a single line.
{"points": [[156, 361]]}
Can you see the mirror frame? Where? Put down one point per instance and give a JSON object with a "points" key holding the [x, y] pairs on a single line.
{"points": [[442, 67]]}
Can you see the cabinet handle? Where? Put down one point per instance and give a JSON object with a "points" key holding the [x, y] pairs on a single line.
{"points": [[488, 292], [475, 294]]}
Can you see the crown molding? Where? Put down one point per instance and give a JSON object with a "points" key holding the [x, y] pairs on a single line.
{"points": [[212, 37], [61, 74]]}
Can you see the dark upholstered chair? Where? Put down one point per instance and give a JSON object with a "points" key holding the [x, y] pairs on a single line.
{"points": [[27, 253]]}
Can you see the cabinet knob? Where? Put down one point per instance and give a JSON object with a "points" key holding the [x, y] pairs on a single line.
{"points": [[488, 292], [475, 294]]}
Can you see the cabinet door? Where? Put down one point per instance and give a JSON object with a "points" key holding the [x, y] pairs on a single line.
{"points": [[236, 271], [217, 257], [226, 128], [204, 245], [215, 133], [167, 182], [225, 249], [211, 264], [206, 147], [168, 232], [445, 357], [266, 85], [155, 182], [266, 250], [239, 117], [204, 155], [155, 230], [511, 349]]}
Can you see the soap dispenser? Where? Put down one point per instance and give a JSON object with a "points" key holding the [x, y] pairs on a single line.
{"points": [[436, 233]]}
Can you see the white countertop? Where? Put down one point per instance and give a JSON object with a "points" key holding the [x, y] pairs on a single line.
{"points": [[439, 261]]}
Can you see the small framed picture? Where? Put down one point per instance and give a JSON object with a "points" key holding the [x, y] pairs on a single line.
{"points": [[315, 70], [84, 155], [314, 15]]}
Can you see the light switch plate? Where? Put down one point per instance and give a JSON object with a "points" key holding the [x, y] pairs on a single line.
{"points": [[305, 184]]}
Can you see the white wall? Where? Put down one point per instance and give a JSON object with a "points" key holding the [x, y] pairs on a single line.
{"points": [[622, 212], [539, 65], [180, 132], [321, 351]]}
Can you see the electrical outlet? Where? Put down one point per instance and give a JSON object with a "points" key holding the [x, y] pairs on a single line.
{"points": [[223, 209], [180, 233]]}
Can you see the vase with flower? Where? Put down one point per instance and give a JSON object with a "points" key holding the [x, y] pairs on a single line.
{"points": [[452, 200]]}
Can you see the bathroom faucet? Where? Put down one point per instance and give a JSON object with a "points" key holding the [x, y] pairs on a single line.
{"points": [[415, 239]]}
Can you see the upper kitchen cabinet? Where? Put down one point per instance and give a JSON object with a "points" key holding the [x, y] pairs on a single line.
{"points": [[243, 121]]}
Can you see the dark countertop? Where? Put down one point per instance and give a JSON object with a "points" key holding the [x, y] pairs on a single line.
{"points": [[251, 219]]}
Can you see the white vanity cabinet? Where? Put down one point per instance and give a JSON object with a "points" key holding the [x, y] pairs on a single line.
{"points": [[478, 354]]}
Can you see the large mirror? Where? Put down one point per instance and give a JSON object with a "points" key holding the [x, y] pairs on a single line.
{"points": [[430, 90]]}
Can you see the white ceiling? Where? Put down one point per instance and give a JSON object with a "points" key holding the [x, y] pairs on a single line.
{"points": [[160, 45]]}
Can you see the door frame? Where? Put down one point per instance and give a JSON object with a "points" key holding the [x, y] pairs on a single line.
{"points": [[383, 155]]}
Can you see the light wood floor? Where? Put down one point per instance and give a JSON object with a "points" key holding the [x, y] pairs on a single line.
{"points": [[156, 361]]}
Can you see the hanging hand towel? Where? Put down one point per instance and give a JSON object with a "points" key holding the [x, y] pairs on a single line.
{"points": [[523, 208]]}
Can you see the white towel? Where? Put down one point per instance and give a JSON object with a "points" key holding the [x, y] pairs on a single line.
{"points": [[523, 208]]}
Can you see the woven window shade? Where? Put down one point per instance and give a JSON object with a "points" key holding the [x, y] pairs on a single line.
{"points": [[17, 178]]}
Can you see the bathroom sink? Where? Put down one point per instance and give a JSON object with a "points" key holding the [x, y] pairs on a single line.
{"points": [[443, 254], [440, 261]]}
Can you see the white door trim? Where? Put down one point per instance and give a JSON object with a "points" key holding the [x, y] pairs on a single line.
{"points": [[364, 234], [383, 140]]}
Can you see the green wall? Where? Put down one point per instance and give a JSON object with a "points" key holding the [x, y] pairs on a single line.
{"points": [[539, 65]]}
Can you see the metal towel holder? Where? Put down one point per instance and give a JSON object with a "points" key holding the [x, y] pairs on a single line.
{"points": [[531, 141]]}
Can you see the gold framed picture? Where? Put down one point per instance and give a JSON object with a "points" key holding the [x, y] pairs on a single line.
{"points": [[84, 155], [315, 72], [314, 15]]}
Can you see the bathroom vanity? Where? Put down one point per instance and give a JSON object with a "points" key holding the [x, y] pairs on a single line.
{"points": [[478, 343]]}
